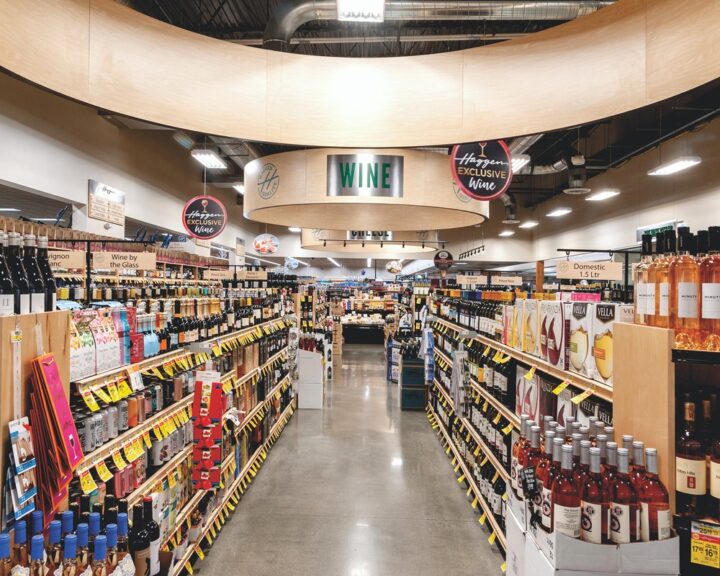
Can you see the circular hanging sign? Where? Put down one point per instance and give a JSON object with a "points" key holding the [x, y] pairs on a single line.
{"points": [[443, 260], [482, 170], [204, 217], [291, 263], [394, 267], [266, 244]]}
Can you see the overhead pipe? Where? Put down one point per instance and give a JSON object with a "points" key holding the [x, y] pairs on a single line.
{"points": [[295, 41]]}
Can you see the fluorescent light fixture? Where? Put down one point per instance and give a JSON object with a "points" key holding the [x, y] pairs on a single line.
{"points": [[559, 212], [529, 224], [301, 262], [602, 195], [9, 210], [333, 261], [44, 219], [507, 233], [519, 161], [209, 158], [263, 260], [401, 260], [240, 189], [369, 262], [295, 229], [677, 165], [361, 10]]}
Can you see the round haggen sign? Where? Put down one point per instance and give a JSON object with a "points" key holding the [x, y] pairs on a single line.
{"points": [[268, 181], [482, 170], [443, 260], [204, 217]]}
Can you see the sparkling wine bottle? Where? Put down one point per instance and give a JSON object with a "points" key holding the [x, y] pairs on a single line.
{"points": [[566, 498], [624, 510]]}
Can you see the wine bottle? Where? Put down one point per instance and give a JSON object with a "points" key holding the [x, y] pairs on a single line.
{"points": [[154, 534], [690, 466], [93, 529], [21, 285], [624, 510], [83, 552], [140, 543], [99, 556], [67, 519], [515, 450], [7, 288], [111, 533], [5, 560], [542, 471], [566, 497], [69, 555], [35, 277], [576, 449], [54, 549], [610, 469], [122, 535], [47, 274], [655, 518], [581, 472], [637, 471], [594, 522], [20, 549], [710, 304], [37, 551], [37, 522]]}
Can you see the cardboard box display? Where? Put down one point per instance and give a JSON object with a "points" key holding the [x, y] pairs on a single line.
{"points": [[527, 393], [518, 330], [552, 333], [515, 554], [564, 406], [517, 509], [580, 342], [604, 317], [531, 327]]}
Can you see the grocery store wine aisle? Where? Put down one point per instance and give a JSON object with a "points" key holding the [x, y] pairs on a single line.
{"points": [[358, 489]]}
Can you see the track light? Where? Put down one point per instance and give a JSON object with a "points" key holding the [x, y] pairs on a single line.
{"points": [[344, 243], [381, 244], [324, 243], [363, 244]]}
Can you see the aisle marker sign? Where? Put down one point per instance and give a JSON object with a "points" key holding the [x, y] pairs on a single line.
{"points": [[580, 270]]}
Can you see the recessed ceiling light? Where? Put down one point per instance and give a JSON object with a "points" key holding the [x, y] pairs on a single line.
{"points": [[677, 165], [240, 189], [602, 195], [333, 261], [295, 229], [369, 262], [519, 161], [506, 233], [209, 158], [559, 212], [529, 224], [361, 10], [9, 210]]}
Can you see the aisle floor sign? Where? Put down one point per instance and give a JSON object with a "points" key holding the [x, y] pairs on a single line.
{"points": [[580, 270], [124, 260], [66, 259]]}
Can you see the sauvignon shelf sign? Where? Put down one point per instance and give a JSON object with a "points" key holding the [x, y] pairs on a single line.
{"points": [[482, 170]]}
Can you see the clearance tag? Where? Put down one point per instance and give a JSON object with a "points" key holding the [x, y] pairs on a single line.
{"points": [[507, 429], [87, 483], [530, 373], [89, 399], [497, 418], [492, 537], [560, 387], [104, 396], [119, 461], [582, 396], [102, 471], [114, 394], [124, 389], [146, 438]]}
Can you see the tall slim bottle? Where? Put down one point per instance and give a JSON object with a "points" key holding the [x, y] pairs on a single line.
{"points": [[566, 497], [140, 543], [660, 274], [7, 289], [644, 291], [690, 466], [552, 474], [48, 277], [154, 534], [655, 517], [639, 467], [710, 299], [13, 257], [624, 509], [35, 277], [5, 560], [684, 278], [543, 468], [594, 522], [37, 551]]}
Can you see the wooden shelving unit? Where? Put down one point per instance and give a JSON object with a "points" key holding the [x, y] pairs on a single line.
{"points": [[508, 414]]}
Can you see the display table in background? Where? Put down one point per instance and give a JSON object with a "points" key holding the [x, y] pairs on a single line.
{"points": [[363, 333]]}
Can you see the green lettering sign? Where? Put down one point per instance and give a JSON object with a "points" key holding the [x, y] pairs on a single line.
{"points": [[347, 174], [385, 175]]}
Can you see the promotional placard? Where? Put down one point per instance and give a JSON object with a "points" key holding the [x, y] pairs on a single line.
{"points": [[365, 175], [106, 203], [124, 260], [252, 275], [204, 217], [482, 170], [66, 259], [443, 260], [266, 244], [218, 274], [466, 280], [579, 270], [506, 280]]}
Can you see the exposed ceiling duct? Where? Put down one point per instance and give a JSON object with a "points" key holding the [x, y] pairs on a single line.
{"points": [[289, 15]]}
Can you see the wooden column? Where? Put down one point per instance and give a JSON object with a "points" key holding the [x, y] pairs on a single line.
{"points": [[539, 275]]}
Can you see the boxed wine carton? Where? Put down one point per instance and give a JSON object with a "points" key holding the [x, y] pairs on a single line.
{"points": [[527, 393], [604, 317], [581, 323], [552, 333], [515, 538], [548, 400], [518, 328], [565, 407], [531, 327]]}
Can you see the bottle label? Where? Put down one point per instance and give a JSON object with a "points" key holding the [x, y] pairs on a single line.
{"points": [[690, 476], [547, 508], [655, 518], [24, 303], [591, 522], [155, 557], [687, 299], [711, 301], [567, 520], [142, 562], [513, 472], [641, 298], [664, 299], [7, 304], [37, 302], [620, 522], [715, 479], [650, 299]]}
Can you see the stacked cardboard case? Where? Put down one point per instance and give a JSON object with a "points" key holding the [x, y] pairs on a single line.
{"points": [[337, 310]]}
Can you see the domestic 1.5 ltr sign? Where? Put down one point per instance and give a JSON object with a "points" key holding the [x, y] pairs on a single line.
{"points": [[579, 270]]}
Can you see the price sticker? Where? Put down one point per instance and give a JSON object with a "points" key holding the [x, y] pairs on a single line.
{"points": [[199, 552], [504, 497], [146, 438], [129, 452], [485, 406], [168, 369], [497, 418], [474, 503], [119, 460], [461, 479], [494, 478], [507, 429], [104, 396], [492, 538], [484, 461], [477, 451], [87, 483], [504, 360], [486, 351], [530, 373], [560, 387], [232, 508], [103, 471], [124, 388], [482, 518], [158, 433], [581, 397], [468, 491], [89, 399], [114, 393], [189, 567], [705, 544]]}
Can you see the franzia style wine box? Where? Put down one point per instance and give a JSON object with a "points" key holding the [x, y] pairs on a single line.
{"points": [[530, 327], [554, 330], [581, 360], [604, 318]]}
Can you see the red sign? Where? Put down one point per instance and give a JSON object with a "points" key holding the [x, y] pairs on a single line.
{"points": [[482, 170], [204, 217]]}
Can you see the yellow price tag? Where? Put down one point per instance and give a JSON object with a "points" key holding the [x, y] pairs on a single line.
{"points": [[188, 567], [474, 503], [507, 429], [114, 393], [104, 396], [158, 433], [503, 567], [200, 553], [87, 483], [485, 406], [484, 461], [461, 479], [530, 373], [494, 478], [146, 438], [477, 451], [497, 418], [486, 351], [124, 389], [171, 480], [705, 546], [119, 461], [560, 387], [482, 518], [102, 471], [504, 497], [492, 538], [580, 397], [89, 399]]}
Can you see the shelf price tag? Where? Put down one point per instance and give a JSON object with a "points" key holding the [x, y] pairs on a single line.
{"points": [[486, 351], [482, 518], [497, 418], [89, 399], [124, 389], [119, 461], [199, 552], [189, 567], [507, 429], [114, 393], [104, 396], [530, 373], [87, 483], [462, 478], [494, 478], [560, 387], [474, 503], [582, 396], [102, 471], [492, 537], [503, 567], [146, 438]]}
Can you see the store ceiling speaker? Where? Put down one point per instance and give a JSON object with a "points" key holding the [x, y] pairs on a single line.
{"points": [[370, 241], [346, 189], [577, 177]]}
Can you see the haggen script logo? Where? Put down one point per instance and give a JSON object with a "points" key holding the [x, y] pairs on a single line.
{"points": [[268, 181]]}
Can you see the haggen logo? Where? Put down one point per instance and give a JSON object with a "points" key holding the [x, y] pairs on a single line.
{"points": [[204, 217], [268, 181], [365, 175]]}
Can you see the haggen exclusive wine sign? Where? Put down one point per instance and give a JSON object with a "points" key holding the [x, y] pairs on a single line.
{"points": [[482, 170], [204, 217]]}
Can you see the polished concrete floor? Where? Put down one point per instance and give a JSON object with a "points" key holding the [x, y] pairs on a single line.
{"points": [[357, 489]]}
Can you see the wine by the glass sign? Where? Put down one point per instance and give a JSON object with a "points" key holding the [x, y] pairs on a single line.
{"points": [[204, 217], [482, 170]]}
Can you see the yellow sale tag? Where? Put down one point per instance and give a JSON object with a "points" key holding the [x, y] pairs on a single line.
{"points": [[104, 396], [89, 399], [503, 567], [468, 491], [114, 394], [171, 480], [582, 396], [494, 479], [124, 389], [497, 418], [212, 531], [87, 483], [216, 350], [457, 467], [487, 351], [507, 429], [232, 508], [497, 357], [492, 538], [560, 387], [504, 497], [530, 373], [188, 567], [482, 518], [158, 433], [474, 503], [477, 451], [168, 369], [461, 479], [200, 553], [484, 461], [504, 360], [118, 459], [146, 438], [705, 545], [103, 472]]}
